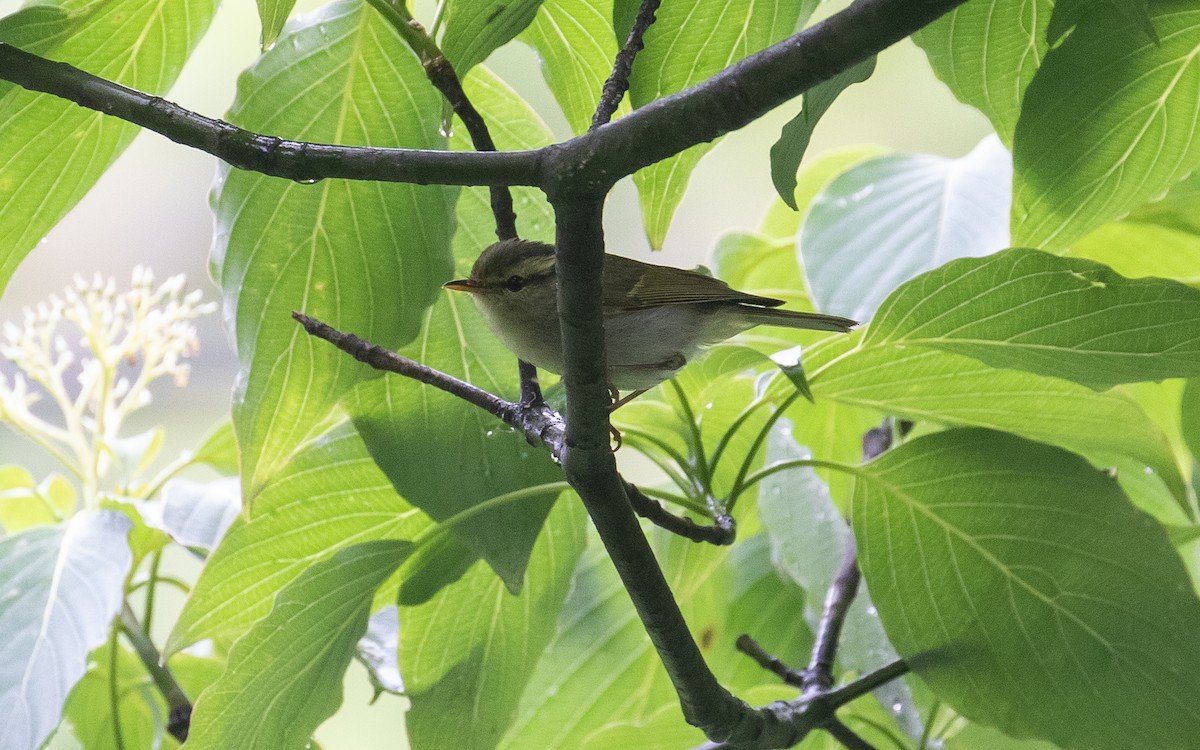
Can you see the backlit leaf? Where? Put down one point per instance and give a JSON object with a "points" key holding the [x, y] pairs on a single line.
{"points": [[55, 150], [1107, 124], [62, 587], [361, 256], [1023, 587], [888, 219]]}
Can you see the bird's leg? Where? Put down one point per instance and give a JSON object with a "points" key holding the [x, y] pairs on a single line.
{"points": [[531, 391], [619, 402]]}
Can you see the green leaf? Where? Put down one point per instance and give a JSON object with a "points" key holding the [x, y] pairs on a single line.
{"points": [[1063, 317], [808, 537], [22, 506], [469, 651], [600, 671], [197, 514], [331, 496], [987, 52], [886, 220], [442, 454], [1071, 13], [600, 666], [272, 14], [476, 28], [976, 737], [689, 43], [574, 40], [789, 150], [62, 587], [218, 448], [1107, 124], [284, 677], [950, 389], [1190, 416], [55, 150], [780, 221], [39, 29], [1138, 249], [1179, 209], [760, 265], [792, 366], [361, 256], [88, 713], [1023, 587]]}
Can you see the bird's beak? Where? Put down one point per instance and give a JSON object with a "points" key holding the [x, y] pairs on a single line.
{"points": [[462, 285]]}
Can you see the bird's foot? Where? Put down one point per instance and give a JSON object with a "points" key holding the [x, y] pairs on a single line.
{"points": [[618, 401]]}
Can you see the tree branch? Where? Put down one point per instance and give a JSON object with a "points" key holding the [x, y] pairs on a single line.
{"points": [[745, 91], [769, 662], [539, 423], [293, 160], [846, 736], [727, 101], [591, 468], [618, 82]]}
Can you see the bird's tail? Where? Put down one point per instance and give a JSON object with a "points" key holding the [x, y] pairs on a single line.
{"points": [[769, 316]]}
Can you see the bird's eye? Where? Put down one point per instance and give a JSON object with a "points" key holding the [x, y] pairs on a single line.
{"points": [[514, 283]]}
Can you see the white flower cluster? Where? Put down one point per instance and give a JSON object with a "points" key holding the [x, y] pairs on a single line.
{"points": [[126, 340]]}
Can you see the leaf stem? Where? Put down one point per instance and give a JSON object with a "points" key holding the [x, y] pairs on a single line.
{"points": [[798, 463], [114, 691], [725, 439], [180, 708], [693, 428], [928, 733], [739, 482], [151, 587]]}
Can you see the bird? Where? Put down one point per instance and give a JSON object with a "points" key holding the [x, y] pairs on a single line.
{"points": [[656, 318]]}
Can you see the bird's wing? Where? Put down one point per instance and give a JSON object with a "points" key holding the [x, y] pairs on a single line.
{"points": [[633, 285]]}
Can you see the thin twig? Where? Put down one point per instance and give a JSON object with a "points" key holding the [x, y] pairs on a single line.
{"points": [[868, 682], [844, 587], [817, 680], [846, 735], [722, 532], [540, 424], [179, 718], [444, 78], [618, 82], [441, 74], [838, 598], [769, 662]]}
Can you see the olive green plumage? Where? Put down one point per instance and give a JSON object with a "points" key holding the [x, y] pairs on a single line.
{"points": [[656, 318]]}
